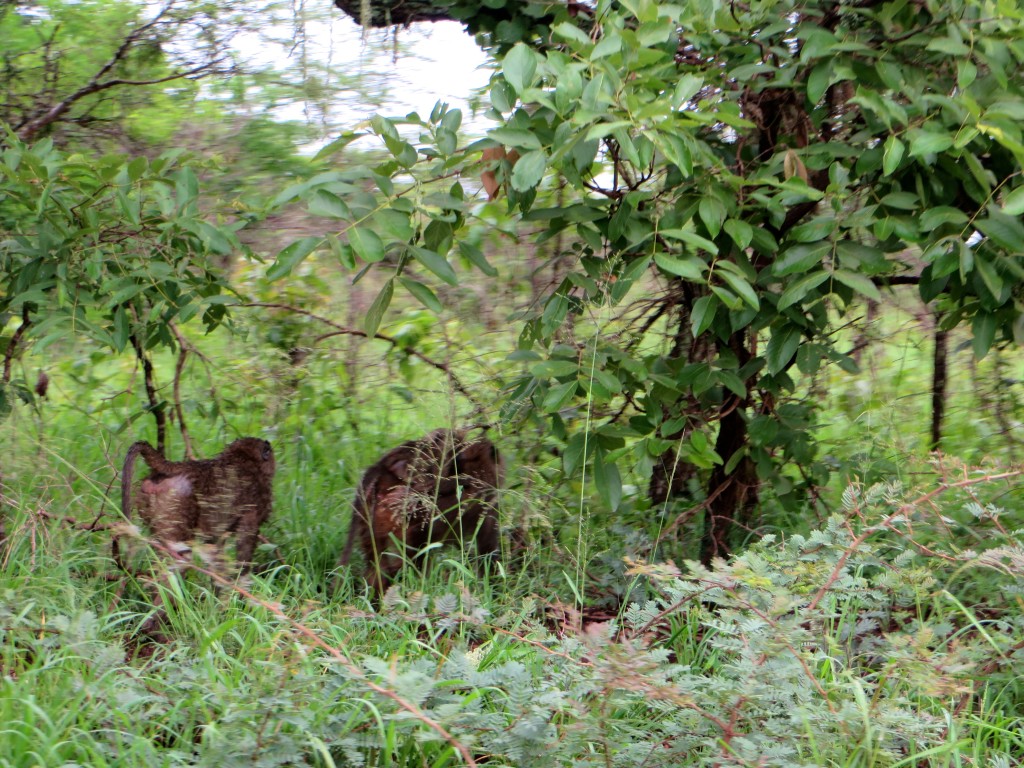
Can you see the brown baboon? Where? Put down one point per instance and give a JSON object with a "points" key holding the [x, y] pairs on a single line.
{"points": [[230, 493], [440, 488]]}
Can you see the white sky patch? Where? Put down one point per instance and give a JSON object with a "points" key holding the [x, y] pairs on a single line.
{"points": [[432, 62]]}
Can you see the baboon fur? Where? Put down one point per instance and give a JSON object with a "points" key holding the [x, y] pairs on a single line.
{"points": [[439, 488], [228, 494]]}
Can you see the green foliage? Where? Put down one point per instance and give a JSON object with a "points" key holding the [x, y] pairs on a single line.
{"points": [[113, 250], [763, 170]]}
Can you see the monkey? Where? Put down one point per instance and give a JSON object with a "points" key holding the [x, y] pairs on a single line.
{"points": [[439, 488], [230, 493]]}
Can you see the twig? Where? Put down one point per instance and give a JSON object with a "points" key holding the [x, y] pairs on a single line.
{"points": [[158, 413], [74, 523], [96, 84], [183, 350]]}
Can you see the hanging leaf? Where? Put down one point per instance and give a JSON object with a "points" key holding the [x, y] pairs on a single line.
{"points": [[366, 243], [892, 154], [607, 480], [782, 347], [423, 294], [291, 256], [378, 308], [436, 263], [529, 170]]}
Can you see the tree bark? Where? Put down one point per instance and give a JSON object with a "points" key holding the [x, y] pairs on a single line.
{"points": [[729, 493], [939, 377], [394, 12]]}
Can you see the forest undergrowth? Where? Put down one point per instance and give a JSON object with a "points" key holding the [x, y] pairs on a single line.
{"points": [[881, 628]]}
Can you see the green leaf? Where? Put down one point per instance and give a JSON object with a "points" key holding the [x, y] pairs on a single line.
{"points": [[520, 67], [608, 480], [692, 238], [989, 276], [337, 145], [928, 142], [1005, 231], [858, 282], [186, 187], [739, 284], [122, 329], [798, 290], [712, 213], [436, 263], [686, 88], [904, 201], [343, 253], [609, 44], [547, 369], [515, 137], [1013, 203], [136, 168], [818, 81], [378, 308], [943, 214], [801, 258], [424, 295], [983, 326], [575, 451], [558, 396], [324, 203], [703, 314], [782, 347], [366, 243], [688, 267], [571, 33], [740, 232], [529, 170], [892, 155], [291, 256], [476, 256]]}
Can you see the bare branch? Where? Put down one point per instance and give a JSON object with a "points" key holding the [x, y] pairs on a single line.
{"points": [[28, 130]]}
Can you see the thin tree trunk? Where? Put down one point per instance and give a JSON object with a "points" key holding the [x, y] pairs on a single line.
{"points": [[939, 377], [730, 495]]}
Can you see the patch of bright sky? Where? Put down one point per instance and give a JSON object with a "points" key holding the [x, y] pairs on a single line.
{"points": [[431, 62]]}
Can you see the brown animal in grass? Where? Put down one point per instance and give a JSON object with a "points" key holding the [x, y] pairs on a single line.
{"points": [[228, 494], [439, 488]]}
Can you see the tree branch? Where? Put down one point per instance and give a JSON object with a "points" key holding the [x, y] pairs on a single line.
{"points": [[29, 129], [343, 331]]}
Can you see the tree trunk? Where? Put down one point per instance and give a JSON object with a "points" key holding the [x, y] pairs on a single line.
{"points": [[729, 494], [939, 377]]}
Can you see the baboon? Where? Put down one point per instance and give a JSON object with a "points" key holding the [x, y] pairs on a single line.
{"points": [[230, 493], [440, 488]]}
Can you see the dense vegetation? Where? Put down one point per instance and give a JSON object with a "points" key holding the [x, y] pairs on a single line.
{"points": [[720, 277]]}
